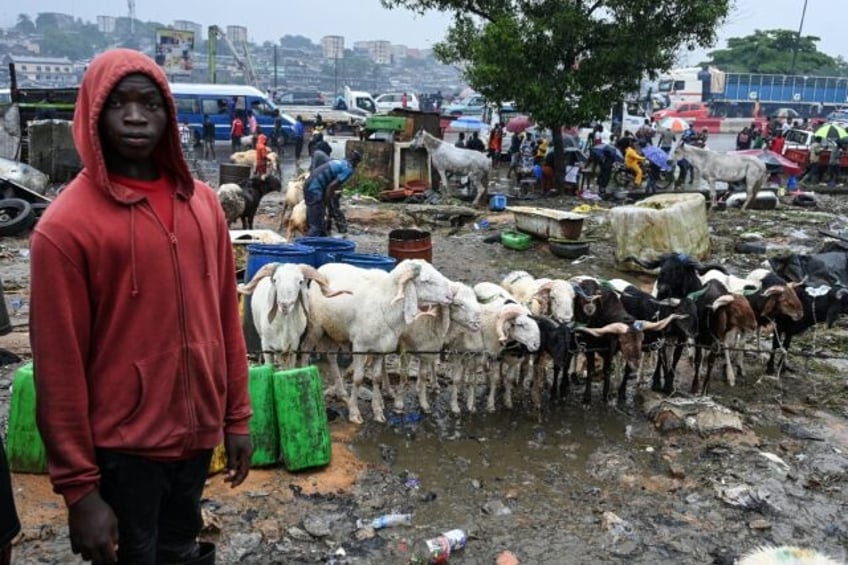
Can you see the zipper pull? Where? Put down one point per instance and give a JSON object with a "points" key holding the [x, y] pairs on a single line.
{"points": [[173, 238]]}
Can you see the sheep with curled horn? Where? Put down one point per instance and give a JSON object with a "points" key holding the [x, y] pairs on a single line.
{"points": [[280, 306]]}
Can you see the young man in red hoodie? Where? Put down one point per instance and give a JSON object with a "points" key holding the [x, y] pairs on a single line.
{"points": [[140, 361]]}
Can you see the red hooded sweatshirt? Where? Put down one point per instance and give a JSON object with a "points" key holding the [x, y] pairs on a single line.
{"points": [[134, 325]]}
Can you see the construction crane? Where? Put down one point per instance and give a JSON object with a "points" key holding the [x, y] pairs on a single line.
{"points": [[243, 61]]}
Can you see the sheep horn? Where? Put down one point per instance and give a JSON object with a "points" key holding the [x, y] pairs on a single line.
{"points": [[507, 313], [265, 270], [797, 284], [312, 273], [840, 293], [410, 272], [772, 290], [722, 300], [660, 325], [618, 328]]}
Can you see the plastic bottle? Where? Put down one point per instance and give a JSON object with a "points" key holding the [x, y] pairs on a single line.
{"points": [[438, 550], [386, 521]]}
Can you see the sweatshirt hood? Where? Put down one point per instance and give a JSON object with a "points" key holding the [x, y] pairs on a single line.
{"points": [[102, 75]]}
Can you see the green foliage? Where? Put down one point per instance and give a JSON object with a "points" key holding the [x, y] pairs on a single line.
{"points": [[296, 42], [360, 184], [25, 24], [771, 52], [80, 43]]}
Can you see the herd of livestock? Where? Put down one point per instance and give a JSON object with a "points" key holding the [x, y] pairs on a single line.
{"points": [[527, 324]]}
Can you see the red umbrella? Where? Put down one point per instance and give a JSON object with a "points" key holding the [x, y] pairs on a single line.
{"points": [[773, 159], [519, 124]]}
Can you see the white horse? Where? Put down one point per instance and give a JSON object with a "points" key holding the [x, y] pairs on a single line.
{"points": [[446, 157], [725, 167]]}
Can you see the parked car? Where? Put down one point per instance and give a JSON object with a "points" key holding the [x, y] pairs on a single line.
{"points": [[391, 100], [472, 105], [301, 98], [691, 110]]}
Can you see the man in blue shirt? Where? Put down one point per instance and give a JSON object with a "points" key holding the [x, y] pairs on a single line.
{"points": [[322, 187], [298, 138]]}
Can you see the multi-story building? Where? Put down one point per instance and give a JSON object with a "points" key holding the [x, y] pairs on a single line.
{"points": [[237, 34], [380, 52], [186, 25], [332, 46], [399, 53], [52, 71], [106, 24]]}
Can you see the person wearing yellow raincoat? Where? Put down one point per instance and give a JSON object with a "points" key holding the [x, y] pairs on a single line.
{"points": [[633, 161]]}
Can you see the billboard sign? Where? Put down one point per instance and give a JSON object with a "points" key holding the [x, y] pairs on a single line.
{"points": [[175, 51]]}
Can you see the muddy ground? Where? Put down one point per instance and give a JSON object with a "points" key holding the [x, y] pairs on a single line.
{"points": [[580, 485]]}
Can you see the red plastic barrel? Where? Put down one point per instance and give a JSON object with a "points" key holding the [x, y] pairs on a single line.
{"points": [[410, 244]]}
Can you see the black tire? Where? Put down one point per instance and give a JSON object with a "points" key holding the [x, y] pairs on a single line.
{"points": [[39, 208], [16, 216], [621, 178], [666, 180]]}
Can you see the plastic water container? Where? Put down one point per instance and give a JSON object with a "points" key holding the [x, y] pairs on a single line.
{"points": [[24, 447], [497, 202], [264, 433], [366, 260], [325, 246], [260, 254], [301, 418]]}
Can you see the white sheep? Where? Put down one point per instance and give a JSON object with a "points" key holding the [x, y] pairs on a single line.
{"points": [[545, 297], [373, 318], [248, 157], [297, 222], [232, 201], [429, 333], [734, 284], [280, 306], [504, 321], [292, 197]]}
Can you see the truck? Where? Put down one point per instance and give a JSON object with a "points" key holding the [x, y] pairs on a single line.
{"points": [[357, 106], [749, 95]]}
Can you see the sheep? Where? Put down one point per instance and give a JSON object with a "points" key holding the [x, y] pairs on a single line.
{"points": [[297, 222], [248, 157], [280, 306], [786, 555], [292, 197], [429, 333], [507, 328], [373, 318], [232, 201]]}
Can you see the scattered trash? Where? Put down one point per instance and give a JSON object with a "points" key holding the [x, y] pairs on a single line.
{"points": [[438, 550], [212, 523], [386, 521], [617, 526], [743, 496], [412, 482], [496, 508], [775, 459]]}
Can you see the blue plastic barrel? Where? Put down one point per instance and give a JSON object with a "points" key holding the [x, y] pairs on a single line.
{"points": [[325, 246], [260, 254], [497, 202], [366, 260]]}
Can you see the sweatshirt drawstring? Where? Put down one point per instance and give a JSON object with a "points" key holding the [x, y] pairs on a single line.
{"points": [[135, 290], [206, 262]]}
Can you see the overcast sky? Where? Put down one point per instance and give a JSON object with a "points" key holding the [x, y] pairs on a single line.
{"points": [[366, 19]]}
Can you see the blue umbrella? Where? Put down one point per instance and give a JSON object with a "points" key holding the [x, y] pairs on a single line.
{"points": [[605, 149], [656, 156], [466, 123]]}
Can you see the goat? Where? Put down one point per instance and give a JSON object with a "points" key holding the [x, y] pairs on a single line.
{"points": [[255, 189], [773, 298], [372, 320], [610, 329], [678, 273], [297, 221], [280, 306], [820, 305], [293, 196], [721, 317], [555, 340], [643, 306], [732, 282]]}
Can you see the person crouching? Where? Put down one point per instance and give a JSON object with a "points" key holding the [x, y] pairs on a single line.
{"points": [[321, 188]]}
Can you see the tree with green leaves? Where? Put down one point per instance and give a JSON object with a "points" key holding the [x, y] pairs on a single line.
{"points": [[25, 24], [566, 62], [772, 52]]}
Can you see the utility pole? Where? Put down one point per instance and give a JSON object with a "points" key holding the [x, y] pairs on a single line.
{"points": [[335, 74], [798, 38]]}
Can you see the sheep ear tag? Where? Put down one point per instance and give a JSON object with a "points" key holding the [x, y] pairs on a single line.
{"points": [[638, 325], [416, 269]]}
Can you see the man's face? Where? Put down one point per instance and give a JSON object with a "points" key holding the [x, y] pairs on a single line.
{"points": [[133, 119]]}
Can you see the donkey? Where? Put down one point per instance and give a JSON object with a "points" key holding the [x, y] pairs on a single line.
{"points": [[724, 167], [446, 157]]}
